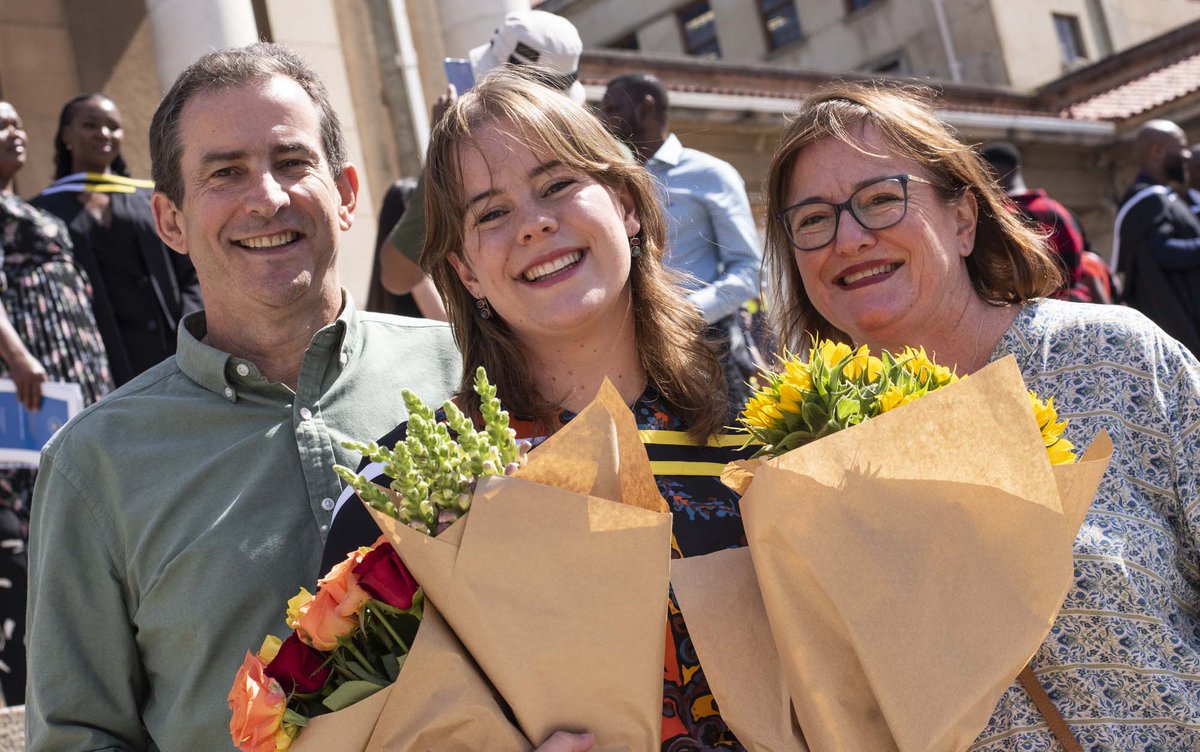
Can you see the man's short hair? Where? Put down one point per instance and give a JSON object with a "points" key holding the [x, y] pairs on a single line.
{"points": [[638, 85], [228, 69], [1001, 155]]}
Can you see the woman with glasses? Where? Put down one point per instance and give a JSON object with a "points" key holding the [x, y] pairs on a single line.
{"points": [[888, 231]]}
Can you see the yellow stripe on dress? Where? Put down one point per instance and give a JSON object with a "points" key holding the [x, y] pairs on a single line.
{"points": [[683, 467], [681, 438]]}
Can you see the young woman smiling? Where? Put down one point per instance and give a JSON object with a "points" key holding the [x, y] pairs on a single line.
{"points": [[546, 241]]}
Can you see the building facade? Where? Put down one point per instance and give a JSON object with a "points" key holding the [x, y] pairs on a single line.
{"points": [[1017, 44], [380, 59]]}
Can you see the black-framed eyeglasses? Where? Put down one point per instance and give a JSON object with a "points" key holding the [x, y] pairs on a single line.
{"points": [[878, 205]]}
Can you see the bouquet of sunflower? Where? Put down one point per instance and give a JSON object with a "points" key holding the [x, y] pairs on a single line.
{"points": [[837, 387], [909, 545]]}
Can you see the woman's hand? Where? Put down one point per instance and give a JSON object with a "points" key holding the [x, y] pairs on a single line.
{"points": [[564, 741], [28, 374]]}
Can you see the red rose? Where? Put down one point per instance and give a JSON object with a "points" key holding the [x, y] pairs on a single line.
{"points": [[297, 667], [382, 574]]}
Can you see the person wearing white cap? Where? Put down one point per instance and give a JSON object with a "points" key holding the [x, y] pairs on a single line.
{"points": [[549, 47]]}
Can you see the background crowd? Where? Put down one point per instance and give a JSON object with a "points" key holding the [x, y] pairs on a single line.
{"points": [[92, 295]]}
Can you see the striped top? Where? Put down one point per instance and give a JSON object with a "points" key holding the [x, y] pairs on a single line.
{"points": [[1122, 661]]}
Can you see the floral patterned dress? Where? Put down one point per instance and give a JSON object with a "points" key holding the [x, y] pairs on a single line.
{"points": [[48, 300], [1122, 660]]}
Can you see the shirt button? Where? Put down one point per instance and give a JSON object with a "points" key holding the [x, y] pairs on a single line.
{"points": [[324, 528], [243, 369], [229, 392], [327, 504], [305, 413]]}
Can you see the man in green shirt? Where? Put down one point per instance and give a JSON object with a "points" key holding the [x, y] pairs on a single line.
{"points": [[173, 519]]}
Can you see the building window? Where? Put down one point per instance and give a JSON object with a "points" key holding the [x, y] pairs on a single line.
{"points": [[699, 25], [1070, 40], [780, 22], [853, 5], [627, 42]]}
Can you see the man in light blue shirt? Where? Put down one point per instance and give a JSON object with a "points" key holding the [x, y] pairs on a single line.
{"points": [[711, 233]]}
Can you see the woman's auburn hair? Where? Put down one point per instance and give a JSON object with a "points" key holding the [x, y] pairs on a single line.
{"points": [[679, 362], [1010, 262]]}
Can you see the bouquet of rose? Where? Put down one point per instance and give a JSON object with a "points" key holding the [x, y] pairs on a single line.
{"points": [[349, 641], [909, 545], [538, 619], [534, 579]]}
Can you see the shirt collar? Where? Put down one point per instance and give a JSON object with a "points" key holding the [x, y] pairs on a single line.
{"points": [[218, 371], [670, 152]]}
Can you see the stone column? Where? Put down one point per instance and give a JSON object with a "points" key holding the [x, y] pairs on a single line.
{"points": [[470, 23], [183, 30]]}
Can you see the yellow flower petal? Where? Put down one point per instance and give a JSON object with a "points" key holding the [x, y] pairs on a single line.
{"points": [[832, 353], [295, 605], [269, 649]]}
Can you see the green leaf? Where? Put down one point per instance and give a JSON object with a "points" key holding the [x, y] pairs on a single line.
{"points": [[848, 407], [350, 693], [391, 664], [294, 718], [814, 416], [366, 675]]}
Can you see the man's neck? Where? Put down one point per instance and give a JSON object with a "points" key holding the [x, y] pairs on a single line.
{"points": [[275, 344], [648, 144], [1155, 175]]}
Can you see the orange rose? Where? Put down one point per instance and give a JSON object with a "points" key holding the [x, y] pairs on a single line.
{"points": [[258, 704], [333, 612]]}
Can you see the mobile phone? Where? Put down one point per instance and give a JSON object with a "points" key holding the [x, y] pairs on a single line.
{"points": [[459, 73]]}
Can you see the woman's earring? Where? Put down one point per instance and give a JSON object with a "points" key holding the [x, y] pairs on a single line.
{"points": [[635, 246], [484, 308]]}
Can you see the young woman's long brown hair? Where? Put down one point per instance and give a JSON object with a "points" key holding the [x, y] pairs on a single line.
{"points": [[678, 362]]}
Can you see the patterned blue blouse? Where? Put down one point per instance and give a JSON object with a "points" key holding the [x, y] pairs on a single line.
{"points": [[1122, 661]]}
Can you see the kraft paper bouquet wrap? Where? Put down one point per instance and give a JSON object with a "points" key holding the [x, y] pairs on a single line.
{"points": [[547, 599], [898, 575]]}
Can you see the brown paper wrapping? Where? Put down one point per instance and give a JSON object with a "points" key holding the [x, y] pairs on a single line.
{"points": [[908, 569], [441, 702], [560, 593]]}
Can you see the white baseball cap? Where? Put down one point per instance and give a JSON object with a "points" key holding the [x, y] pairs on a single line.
{"points": [[534, 37]]}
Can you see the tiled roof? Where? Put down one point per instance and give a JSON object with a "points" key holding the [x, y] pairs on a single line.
{"points": [[1132, 84], [693, 75], [1146, 92]]}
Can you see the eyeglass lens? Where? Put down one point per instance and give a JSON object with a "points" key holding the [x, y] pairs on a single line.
{"points": [[876, 206]]}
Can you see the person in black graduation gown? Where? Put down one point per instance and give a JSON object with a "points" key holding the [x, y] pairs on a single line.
{"points": [[141, 289]]}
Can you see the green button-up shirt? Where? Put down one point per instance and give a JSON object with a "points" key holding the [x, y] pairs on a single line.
{"points": [[173, 519]]}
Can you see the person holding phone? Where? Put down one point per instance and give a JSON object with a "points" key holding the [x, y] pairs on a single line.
{"points": [[548, 43]]}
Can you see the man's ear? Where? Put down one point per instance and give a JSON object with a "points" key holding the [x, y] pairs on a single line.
{"points": [[347, 186], [466, 275], [168, 221]]}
